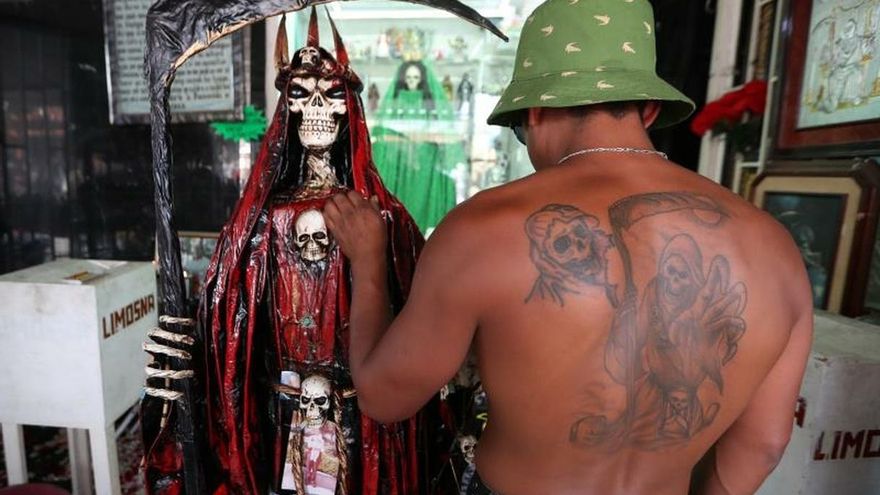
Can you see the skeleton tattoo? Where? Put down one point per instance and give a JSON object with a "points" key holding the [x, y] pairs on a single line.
{"points": [[668, 341], [569, 250]]}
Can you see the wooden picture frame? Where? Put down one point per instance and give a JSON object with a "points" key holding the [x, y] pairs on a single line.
{"points": [[765, 24], [744, 175], [823, 116], [196, 250], [831, 210]]}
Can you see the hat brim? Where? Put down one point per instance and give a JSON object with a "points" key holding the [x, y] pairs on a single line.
{"points": [[570, 89]]}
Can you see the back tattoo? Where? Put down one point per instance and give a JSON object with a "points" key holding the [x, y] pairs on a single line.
{"points": [[668, 342]]}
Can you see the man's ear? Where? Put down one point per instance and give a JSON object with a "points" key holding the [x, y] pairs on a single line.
{"points": [[535, 116], [650, 112]]}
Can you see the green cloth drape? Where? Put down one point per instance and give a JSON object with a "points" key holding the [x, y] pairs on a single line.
{"points": [[416, 148]]}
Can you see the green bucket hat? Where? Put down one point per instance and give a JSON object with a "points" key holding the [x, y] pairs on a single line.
{"points": [[584, 52]]}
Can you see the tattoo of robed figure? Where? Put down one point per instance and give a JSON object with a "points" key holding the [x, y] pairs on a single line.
{"points": [[663, 344]]}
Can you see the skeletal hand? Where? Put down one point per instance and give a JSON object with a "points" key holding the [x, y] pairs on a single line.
{"points": [[357, 226]]}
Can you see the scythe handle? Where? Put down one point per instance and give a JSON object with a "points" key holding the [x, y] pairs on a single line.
{"points": [[171, 286]]}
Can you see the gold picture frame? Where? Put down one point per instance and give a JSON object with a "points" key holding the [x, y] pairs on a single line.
{"points": [[831, 212]]}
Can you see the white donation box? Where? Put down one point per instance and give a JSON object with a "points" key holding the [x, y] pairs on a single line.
{"points": [[835, 444], [70, 347]]}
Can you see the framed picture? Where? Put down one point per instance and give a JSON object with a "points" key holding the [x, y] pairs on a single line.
{"points": [[872, 292], [211, 86], [765, 23], [196, 249], [829, 101], [744, 175], [831, 212]]}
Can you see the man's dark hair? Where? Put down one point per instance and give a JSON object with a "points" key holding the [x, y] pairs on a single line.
{"points": [[617, 109]]}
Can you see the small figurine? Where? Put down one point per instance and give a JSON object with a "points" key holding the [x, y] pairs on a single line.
{"points": [[464, 95], [373, 98], [447, 87]]}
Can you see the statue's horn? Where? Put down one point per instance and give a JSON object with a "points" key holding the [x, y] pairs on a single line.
{"points": [[281, 56], [313, 39], [341, 53]]}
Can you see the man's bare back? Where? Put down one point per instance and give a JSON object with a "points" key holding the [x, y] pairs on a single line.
{"points": [[627, 314], [626, 320]]}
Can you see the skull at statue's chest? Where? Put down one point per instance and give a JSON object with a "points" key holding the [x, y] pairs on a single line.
{"points": [[320, 104], [314, 400], [312, 240]]}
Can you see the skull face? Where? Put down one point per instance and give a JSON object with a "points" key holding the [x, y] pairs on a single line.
{"points": [[677, 277], [309, 56], [569, 245], [678, 401], [320, 102], [412, 77], [468, 445], [312, 241], [314, 400]]}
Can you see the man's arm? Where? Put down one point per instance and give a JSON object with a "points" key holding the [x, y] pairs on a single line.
{"points": [[750, 449], [398, 365]]}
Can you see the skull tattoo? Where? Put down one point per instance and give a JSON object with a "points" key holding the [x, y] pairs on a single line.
{"points": [[312, 241], [569, 249], [314, 401]]}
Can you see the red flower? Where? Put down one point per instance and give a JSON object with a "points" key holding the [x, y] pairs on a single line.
{"points": [[731, 106]]}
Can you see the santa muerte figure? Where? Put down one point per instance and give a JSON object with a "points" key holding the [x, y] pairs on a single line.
{"points": [[276, 307], [259, 399], [271, 407]]}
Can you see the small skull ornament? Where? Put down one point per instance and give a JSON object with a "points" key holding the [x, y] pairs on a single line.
{"points": [[314, 400], [312, 241], [320, 102], [468, 445], [309, 55]]}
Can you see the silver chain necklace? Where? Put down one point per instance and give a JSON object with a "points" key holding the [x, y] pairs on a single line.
{"points": [[585, 151]]}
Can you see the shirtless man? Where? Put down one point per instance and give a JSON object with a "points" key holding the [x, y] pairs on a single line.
{"points": [[627, 314]]}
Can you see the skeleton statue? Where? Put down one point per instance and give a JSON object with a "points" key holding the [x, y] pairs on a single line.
{"points": [[226, 409], [277, 305]]}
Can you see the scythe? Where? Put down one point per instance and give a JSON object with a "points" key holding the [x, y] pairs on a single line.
{"points": [[176, 30]]}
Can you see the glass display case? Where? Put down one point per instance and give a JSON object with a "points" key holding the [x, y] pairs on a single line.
{"points": [[430, 82]]}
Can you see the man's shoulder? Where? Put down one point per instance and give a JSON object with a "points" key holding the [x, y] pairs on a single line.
{"points": [[486, 208]]}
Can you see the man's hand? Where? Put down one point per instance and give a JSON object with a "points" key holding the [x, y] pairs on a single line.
{"points": [[357, 226]]}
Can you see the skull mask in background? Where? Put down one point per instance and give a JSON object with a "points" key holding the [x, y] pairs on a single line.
{"points": [[318, 100], [314, 401], [312, 241], [412, 77]]}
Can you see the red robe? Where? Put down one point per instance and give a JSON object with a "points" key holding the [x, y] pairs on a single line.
{"points": [[256, 291]]}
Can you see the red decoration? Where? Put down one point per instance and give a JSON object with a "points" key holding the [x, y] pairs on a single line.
{"points": [[730, 108]]}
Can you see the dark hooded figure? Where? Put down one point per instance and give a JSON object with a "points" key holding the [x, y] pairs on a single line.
{"points": [[690, 322], [282, 414]]}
